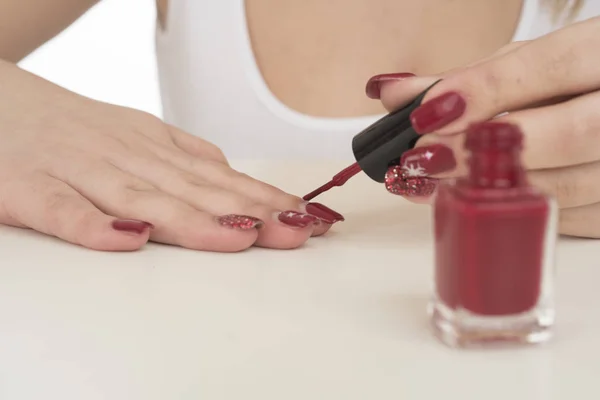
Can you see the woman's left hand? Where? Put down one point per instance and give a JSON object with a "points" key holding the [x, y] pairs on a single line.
{"points": [[550, 87]]}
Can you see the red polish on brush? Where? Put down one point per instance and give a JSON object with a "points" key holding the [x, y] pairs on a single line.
{"points": [[338, 180], [494, 245], [378, 146]]}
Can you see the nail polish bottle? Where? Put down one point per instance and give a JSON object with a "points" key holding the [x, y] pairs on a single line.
{"points": [[494, 248]]}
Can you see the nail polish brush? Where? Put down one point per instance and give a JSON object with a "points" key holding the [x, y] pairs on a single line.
{"points": [[338, 180], [378, 146]]}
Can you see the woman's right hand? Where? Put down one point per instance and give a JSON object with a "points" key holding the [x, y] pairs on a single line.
{"points": [[112, 178]]}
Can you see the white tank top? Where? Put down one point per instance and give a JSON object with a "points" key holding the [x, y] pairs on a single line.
{"points": [[212, 87]]}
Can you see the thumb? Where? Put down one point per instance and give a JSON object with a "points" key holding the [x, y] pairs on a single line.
{"points": [[398, 93]]}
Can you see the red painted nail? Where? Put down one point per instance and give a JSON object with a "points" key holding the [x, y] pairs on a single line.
{"points": [[131, 226], [398, 182], [438, 112], [427, 160], [373, 88], [242, 222], [297, 219], [324, 213]]}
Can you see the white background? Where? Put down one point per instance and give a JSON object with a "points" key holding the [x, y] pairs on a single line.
{"points": [[108, 55]]}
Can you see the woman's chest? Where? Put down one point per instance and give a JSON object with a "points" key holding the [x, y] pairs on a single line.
{"points": [[315, 56]]}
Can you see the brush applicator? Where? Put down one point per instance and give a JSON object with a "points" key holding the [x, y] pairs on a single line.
{"points": [[378, 147]]}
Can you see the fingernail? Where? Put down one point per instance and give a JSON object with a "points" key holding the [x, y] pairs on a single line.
{"points": [[242, 222], [398, 182], [438, 112], [373, 88], [324, 213], [427, 160], [297, 219], [131, 226]]}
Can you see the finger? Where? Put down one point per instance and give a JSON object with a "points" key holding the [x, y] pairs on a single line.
{"points": [[192, 171], [546, 68], [455, 144], [282, 229], [52, 207], [203, 171], [398, 93], [175, 222], [557, 135], [195, 146], [571, 186], [581, 221], [215, 200], [244, 185], [275, 233], [562, 134]]}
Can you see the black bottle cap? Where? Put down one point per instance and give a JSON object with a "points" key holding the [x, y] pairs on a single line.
{"points": [[382, 144]]}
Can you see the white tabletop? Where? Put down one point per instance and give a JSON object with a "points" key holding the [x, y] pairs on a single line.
{"points": [[341, 318]]}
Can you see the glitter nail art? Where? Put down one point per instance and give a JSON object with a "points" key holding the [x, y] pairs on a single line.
{"points": [[401, 183], [242, 222]]}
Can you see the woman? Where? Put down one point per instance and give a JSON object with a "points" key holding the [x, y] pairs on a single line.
{"points": [[284, 79]]}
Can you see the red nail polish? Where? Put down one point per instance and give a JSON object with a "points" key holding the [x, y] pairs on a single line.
{"points": [[131, 226], [494, 244], [399, 182], [242, 222], [324, 213], [428, 160], [297, 219], [373, 88], [438, 112]]}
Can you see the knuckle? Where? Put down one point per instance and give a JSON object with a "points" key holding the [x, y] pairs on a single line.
{"points": [[132, 193], [148, 124], [216, 153], [146, 119], [210, 150], [488, 78]]}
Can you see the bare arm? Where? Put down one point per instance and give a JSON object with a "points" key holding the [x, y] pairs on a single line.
{"points": [[26, 25]]}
